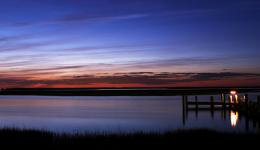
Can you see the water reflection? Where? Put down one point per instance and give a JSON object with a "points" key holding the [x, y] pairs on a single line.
{"points": [[233, 118], [218, 109], [118, 114]]}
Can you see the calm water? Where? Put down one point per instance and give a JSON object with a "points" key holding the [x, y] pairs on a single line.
{"points": [[113, 114]]}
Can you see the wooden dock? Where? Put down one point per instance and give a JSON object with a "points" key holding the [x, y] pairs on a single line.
{"points": [[213, 104], [249, 109]]}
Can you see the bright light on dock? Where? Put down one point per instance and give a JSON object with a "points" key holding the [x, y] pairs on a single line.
{"points": [[233, 118], [233, 92], [233, 96]]}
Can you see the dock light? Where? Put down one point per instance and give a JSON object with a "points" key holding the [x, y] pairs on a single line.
{"points": [[233, 92]]}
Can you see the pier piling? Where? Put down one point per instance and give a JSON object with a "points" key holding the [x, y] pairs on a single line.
{"points": [[196, 101], [212, 106], [211, 102], [197, 107], [223, 99], [246, 101]]}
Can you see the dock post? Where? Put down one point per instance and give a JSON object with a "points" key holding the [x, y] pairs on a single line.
{"points": [[186, 101], [229, 101], [183, 110], [183, 102], [223, 100], [196, 101], [246, 101], [187, 107], [212, 102], [212, 106], [225, 114], [197, 106], [222, 97]]}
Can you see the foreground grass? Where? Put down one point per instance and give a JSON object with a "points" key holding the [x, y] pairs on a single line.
{"points": [[32, 139]]}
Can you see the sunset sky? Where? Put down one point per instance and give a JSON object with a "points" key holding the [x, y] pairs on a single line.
{"points": [[129, 43]]}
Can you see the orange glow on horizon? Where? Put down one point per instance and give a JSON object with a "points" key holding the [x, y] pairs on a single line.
{"points": [[68, 82]]}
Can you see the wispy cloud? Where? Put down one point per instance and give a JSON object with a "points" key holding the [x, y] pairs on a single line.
{"points": [[84, 17], [141, 78]]}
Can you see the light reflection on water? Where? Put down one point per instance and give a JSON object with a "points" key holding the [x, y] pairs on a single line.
{"points": [[234, 118], [111, 114]]}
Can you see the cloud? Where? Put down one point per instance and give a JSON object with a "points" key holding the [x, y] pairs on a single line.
{"points": [[227, 69], [19, 46], [78, 17], [86, 17], [141, 78], [12, 38], [54, 68], [185, 61], [42, 64]]}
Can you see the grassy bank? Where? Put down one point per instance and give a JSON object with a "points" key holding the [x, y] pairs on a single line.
{"points": [[202, 138]]}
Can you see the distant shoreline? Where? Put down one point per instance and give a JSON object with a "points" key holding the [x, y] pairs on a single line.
{"points": [[126, 91]]}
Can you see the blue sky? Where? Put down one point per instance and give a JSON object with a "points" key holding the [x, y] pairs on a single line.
{"points": [[45, 41]]}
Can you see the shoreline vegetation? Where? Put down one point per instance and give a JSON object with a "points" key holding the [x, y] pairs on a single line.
{"points": [[26, 138], [125, 91]]}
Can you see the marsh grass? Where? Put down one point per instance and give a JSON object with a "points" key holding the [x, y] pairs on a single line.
{"points": [[33, 139]]}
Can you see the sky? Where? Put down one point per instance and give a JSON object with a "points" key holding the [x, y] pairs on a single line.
{"points": [[129, 43]]}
